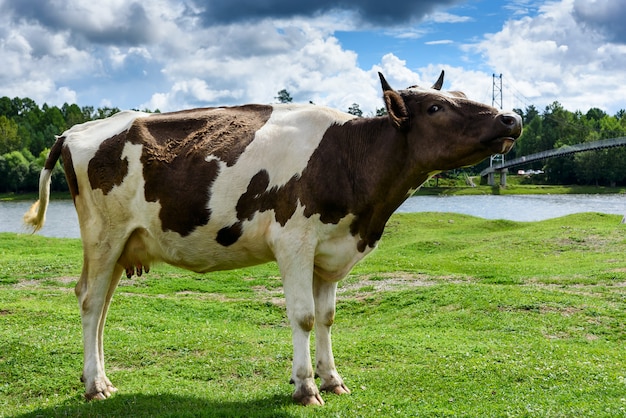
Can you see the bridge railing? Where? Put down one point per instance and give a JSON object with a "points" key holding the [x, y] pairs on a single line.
{"points": [[565, 150]]}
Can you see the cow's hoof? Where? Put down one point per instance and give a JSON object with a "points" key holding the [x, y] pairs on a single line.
{"points": [[340, 389], [101, 395], [308, 395], [310, 400]]}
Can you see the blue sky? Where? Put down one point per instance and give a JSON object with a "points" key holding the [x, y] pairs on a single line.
{"points": [[174, 54]]}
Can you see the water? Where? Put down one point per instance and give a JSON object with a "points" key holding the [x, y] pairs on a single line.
{"points": [[523, 208], [61, 220]]}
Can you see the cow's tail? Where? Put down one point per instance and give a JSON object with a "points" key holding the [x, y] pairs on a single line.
{"points": [[36, 215]]}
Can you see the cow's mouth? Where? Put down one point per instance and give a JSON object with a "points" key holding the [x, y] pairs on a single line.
{"points": [[501, 145], [507, 143]]}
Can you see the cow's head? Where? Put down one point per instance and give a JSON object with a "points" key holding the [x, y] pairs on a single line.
{"points": [[446, 130]]}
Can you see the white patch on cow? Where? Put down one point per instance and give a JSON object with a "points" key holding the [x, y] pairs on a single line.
{"points": [[282, 147], [85, 139], [337, 252], [290, 136]]}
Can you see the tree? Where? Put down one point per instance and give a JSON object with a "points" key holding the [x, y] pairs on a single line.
{"points": [[73, 114], [7, 107], [105, 112], [595, 113], [15, 167], [9, 139], [354, 109], [284, 96]]}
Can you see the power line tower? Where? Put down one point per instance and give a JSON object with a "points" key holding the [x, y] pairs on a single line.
{"points": [[496, 101]]}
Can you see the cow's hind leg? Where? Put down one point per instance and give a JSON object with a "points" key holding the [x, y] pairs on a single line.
{"points": [[324, 293], [94, 291], [115, 279]]}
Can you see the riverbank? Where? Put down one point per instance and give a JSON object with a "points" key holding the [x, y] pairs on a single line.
{"points": [[517, 189], [20, 197], [424, 191], [516, 185], [445, 187]]}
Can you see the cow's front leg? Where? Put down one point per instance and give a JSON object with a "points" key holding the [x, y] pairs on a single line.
{"points": [[296, 267], [324, 293]]}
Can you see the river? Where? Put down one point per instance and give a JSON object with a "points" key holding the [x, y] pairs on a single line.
{"points": [[61, 220]]}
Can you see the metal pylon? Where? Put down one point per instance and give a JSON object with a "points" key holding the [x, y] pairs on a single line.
{"points": [[496, 101]]}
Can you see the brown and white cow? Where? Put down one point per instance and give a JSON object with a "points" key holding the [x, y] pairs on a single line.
{"points": [[223, 188]]}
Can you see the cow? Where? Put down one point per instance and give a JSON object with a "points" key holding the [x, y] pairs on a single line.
{"points": [[227, 187]]}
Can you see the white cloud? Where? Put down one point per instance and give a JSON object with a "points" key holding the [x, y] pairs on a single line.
{"points": [[252, 63], [443, 17], [440, 42], [557, 51], [551, 57]]}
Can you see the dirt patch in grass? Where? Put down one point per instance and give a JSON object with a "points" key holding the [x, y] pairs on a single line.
{"points": [[31, 283], [358, 287], [384, 282]]}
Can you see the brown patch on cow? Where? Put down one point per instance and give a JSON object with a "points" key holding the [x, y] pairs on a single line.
{"points": [[107, 169], [230, 234], [55, 152], [70, 174], [174, 158], [222, 132], [59, 150]]}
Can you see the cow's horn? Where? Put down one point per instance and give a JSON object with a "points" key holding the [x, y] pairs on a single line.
{"points": [[439, 83]]}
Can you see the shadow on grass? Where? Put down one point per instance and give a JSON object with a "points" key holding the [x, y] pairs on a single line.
{"points": [[167, 405]]}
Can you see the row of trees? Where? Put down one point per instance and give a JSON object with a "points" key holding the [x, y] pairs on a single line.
{"points": [[27, 131], [556, 127]]}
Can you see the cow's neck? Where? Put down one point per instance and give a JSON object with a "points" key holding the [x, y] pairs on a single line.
{"points": [[383, 174]]}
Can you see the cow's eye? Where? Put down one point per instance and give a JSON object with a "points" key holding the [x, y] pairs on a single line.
{"points": [[434, 109]]}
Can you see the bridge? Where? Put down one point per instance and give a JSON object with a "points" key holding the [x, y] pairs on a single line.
{"points": [[502, 169]]}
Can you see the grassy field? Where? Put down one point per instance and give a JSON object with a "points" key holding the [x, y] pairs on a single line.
{"points": [[451, 316]]}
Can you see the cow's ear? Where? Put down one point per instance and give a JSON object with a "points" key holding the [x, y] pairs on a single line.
{"points": [[396, 108]]}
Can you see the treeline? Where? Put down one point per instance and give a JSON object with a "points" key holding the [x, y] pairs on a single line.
{"points": [[27, 132], [556, 127]]}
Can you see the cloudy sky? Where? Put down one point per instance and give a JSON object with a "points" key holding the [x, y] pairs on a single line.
{"points": [[174, 54]]}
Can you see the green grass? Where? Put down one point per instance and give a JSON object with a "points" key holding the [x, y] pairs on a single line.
{"points": [[451, 316]]}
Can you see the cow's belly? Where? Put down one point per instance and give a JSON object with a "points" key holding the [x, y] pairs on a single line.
{"points": [[201, 252]]}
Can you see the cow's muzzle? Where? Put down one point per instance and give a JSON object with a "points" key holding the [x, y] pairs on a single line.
{"points": [[511, 121], [508, 129]]}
